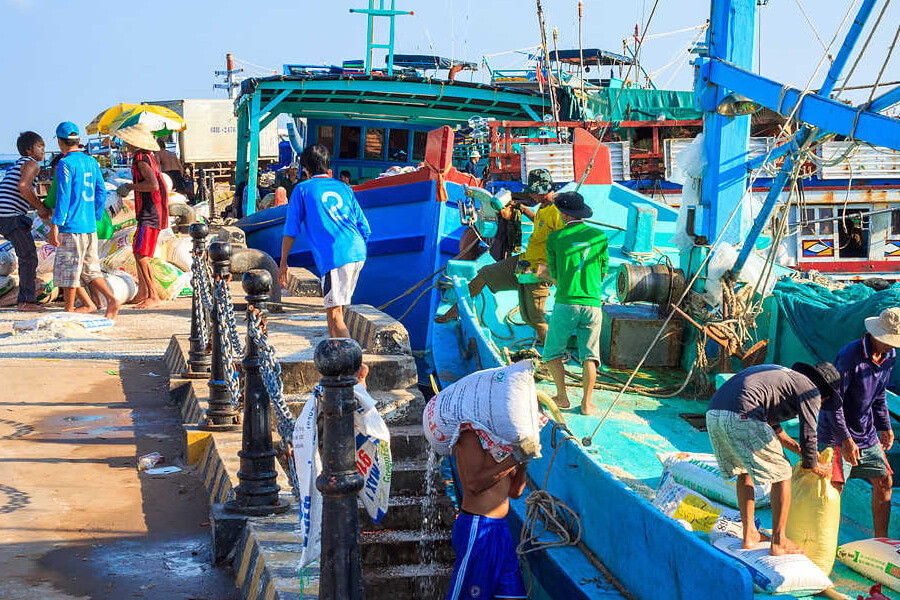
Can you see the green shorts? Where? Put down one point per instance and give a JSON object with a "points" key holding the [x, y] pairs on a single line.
{"points": [[584, 322], [872, 465]]}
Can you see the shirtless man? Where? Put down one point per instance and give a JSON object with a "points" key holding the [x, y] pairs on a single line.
{"points": [[486, 562]]}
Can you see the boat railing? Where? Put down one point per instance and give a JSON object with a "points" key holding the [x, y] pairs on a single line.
{"points": [[508, 137]]}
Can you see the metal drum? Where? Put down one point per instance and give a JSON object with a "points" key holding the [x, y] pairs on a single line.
{"points": [[659, 284]]}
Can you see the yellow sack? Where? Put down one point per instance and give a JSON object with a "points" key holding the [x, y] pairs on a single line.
{"points": [[815, 514]]}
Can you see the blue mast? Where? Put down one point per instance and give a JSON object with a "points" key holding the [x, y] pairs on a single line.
{"points": [[728, 69]]}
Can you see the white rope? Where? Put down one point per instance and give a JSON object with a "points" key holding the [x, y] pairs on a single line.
{"points": [[815, 31], [863, 50], [884, 65], [654, 36]]}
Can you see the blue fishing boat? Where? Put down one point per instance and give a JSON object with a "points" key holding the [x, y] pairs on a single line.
{"points": [[377, 121], [661, 357]]}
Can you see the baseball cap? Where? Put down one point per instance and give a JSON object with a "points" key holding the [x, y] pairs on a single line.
{"points": [[539, 182], [67, 130]]}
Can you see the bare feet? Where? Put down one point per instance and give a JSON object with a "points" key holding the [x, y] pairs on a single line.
{"points": [[147, 303], [31, 307], [137, 300], [562, 401], [753, 537], [785, 547], [112, 309], [362, 374], [87, 308], [587, 409]]}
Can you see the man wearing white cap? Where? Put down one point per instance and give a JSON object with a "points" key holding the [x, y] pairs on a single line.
{"points": [[472, 166], [861, 430]]}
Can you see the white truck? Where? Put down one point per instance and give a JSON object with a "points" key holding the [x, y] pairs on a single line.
{"points": [[210, 137]]}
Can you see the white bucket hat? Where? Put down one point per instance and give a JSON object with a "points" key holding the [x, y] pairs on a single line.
{"points": [[885, 327], [475, 154], [139, 136]]}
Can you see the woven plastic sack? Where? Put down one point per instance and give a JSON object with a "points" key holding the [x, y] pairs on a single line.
{"points": [[167, 278], [501, 402], [46, 255], [787, 574], [9, 262], [701, 513], [700, 472], [815, 514], [373, 462], [178, 252], [875, 558], [7, 284]]}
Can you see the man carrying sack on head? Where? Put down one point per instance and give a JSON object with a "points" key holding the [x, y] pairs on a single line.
{"points": [[860, 431]]}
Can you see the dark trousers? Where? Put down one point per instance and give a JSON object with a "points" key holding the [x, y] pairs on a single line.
{"points": [[18, 231]]}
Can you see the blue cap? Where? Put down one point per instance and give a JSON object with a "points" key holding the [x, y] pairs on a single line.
{"points": [[67, 130]]}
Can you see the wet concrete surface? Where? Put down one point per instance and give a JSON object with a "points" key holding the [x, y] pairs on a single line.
{"points": [[77, 519]]}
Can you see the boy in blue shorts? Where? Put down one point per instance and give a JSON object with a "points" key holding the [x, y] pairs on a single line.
{"points": [[486, 562]]}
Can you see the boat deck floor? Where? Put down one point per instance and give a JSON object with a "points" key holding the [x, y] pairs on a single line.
{"points": [[639, 427]]}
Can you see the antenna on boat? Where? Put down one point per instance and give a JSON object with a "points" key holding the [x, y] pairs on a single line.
{"points": [[230, 84], [553, 107], [581, 58], [380, 11]]}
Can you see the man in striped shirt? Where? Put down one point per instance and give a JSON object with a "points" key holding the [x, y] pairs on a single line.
{"points": [[18, 195]]}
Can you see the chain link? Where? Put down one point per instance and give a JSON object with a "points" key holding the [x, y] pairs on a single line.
{"points": [[227, 334], [270, 371], [200, 281]]}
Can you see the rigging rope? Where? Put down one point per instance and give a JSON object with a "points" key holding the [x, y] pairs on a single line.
{"points": [[863, 49]]}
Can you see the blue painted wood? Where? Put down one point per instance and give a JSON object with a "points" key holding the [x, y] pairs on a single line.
{"points": [[253, 172], [731, 37], [823, 113], [834, 73], [886, 100], [413, 235]]}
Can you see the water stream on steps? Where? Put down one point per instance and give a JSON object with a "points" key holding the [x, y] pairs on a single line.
{"points": [[430, 521]]}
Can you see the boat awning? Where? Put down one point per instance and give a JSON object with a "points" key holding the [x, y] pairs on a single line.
{"points": [[592, 56], [428, 61], [398, 98]]}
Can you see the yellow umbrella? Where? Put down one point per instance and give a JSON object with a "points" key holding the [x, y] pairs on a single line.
{"points": [[126, 114]]}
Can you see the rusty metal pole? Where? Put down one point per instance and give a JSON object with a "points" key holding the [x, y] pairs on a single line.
{"points": [[198, 355], [338, 360], [220, 414], [257, 493]]}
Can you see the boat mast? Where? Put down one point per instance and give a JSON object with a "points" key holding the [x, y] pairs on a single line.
{"points": [[581, 59], [381, 11], [554, 109]]}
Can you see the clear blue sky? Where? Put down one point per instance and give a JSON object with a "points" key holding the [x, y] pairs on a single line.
{"points": [[69, 59]]}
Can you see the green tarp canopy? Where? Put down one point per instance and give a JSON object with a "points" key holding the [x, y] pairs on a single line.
{"points": [[643, 105], [826, 320]]}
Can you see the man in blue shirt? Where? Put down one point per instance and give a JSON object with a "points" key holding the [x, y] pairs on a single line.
{"points": [[327, 212], [861, 431], [80, 202]]}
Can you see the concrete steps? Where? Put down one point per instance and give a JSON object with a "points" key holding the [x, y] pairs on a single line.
{"points": [[413, 581]]}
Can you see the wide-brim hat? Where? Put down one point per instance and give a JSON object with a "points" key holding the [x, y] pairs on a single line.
{"points": [[572, 204], [885, 327], [827, 379], [475, 154], [139, 136]]}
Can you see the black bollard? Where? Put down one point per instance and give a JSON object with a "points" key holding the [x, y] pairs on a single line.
{"points": [[198, 355], [257, 493], [219, 415], [338, 360]]}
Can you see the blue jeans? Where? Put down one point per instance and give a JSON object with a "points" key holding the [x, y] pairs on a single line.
{"points": [[18, 231]]}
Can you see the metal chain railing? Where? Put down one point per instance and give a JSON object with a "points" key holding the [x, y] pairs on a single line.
{"points": [[270, 370], [229, 339], [200, 281]]}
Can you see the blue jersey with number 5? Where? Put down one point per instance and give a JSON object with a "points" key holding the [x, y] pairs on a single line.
{"points": [[326, 211]]}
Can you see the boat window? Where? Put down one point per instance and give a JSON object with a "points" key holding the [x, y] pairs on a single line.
{"points": [[809, 214], [374, 143], [826, 227], [398, 145], [895, 222], [325, 136], [349, 142], [419, 140]]}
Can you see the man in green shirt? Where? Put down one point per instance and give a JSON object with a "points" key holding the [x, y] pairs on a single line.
{"points": [[578, 260]]}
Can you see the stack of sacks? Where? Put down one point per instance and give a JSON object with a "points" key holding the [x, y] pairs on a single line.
{"points": [[688, 483]]}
